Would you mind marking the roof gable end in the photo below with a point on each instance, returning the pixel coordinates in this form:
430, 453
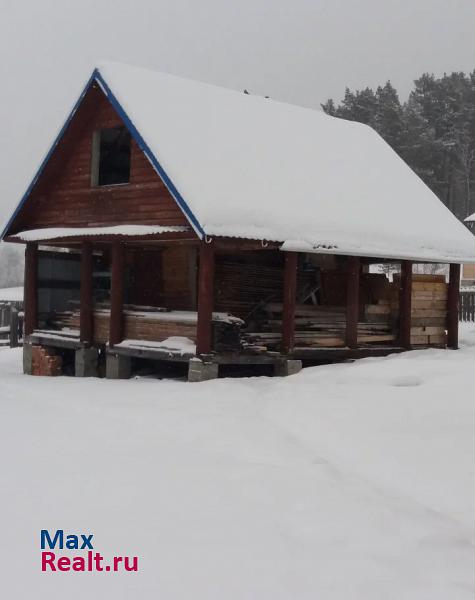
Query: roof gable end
97, 78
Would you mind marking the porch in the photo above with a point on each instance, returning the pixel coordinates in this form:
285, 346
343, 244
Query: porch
211, 303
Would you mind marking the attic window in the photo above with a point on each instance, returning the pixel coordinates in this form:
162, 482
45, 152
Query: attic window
111, 156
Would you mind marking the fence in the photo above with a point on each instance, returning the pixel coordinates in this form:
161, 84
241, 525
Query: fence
467, 306
11, 323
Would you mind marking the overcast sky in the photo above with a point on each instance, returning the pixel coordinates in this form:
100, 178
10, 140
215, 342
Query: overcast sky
301, 51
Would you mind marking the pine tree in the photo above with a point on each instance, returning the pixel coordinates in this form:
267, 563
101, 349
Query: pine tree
434, 131
389, 118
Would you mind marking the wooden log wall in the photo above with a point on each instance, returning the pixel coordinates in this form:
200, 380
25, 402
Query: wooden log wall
64, 195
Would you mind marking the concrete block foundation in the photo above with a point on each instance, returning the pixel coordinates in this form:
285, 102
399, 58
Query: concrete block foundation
201, 371
85, 362
284, 368
27, 358
118, 366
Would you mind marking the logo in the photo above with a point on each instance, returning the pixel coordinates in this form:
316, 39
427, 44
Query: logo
87, 558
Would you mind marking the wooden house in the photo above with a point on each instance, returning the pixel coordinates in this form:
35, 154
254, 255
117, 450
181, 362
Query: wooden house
179, 222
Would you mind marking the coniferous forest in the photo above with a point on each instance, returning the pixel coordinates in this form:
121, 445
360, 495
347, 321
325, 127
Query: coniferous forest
433, 131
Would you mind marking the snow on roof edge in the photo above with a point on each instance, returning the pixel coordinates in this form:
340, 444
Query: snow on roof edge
429, 256
11, 294
50, 233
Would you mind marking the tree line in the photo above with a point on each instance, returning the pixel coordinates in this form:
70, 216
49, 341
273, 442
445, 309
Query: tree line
433, 131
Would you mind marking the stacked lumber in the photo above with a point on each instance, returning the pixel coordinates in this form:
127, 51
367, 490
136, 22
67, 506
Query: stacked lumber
428, 309
315, 326
155, 324
240, 286
137, 325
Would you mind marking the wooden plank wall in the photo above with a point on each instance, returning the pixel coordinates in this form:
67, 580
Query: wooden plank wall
164, 277
64, 195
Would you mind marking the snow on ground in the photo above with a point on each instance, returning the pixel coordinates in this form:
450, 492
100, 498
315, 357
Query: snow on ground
352, 481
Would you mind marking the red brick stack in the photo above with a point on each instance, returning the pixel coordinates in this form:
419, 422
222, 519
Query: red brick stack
45, 362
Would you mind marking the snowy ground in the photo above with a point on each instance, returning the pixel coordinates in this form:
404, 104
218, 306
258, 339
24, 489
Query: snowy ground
347, 481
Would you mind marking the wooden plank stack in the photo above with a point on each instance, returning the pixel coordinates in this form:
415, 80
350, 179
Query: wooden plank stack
155, 324
316, 327
428, 309
240, 287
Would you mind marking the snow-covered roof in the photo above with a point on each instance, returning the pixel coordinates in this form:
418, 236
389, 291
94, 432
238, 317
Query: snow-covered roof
51, 233
470, 218
246, 166
12, 294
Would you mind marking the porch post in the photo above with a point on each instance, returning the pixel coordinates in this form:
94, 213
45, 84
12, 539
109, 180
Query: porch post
31, 288
290, 299
204, 329
117, 292
352, 300
86, 299
405, 304
453, 294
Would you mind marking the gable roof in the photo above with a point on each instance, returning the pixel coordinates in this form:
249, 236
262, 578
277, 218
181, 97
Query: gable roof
245, 166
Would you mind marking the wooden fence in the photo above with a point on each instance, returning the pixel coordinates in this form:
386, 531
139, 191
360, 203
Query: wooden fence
11, 323
467, 306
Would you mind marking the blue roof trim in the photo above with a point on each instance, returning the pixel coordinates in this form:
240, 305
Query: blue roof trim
48, 156
96, 76
149, 154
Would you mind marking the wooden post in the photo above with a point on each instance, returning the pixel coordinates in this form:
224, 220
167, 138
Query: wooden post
86, 295
453, 294
405, 304
117, 294
204, 329
290, 299
31, 288
14, 321
352, 301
